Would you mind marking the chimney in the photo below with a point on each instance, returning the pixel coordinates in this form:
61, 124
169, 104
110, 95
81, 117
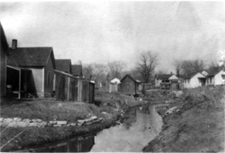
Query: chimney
14, 44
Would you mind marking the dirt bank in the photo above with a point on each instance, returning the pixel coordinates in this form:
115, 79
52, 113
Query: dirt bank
47, 110
195, 124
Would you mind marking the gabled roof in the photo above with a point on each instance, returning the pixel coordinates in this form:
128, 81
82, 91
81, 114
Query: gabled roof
32, 56
63, 65
129, 77
189, 76
213, 71
4, 40
163, 76
77, 70
115, 80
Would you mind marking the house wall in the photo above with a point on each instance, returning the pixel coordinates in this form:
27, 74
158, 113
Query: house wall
38, 74
218, 78
3, 62
210, 80
128, 86
193, 82
48, 78
113, 87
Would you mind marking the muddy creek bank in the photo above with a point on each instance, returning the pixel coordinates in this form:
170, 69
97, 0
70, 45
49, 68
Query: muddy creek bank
138, 126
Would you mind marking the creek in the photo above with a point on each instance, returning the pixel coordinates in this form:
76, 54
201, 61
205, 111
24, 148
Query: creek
138, 127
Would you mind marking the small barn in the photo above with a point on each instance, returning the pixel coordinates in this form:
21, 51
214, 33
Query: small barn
114, 85
3, 62
128, 85
41, 62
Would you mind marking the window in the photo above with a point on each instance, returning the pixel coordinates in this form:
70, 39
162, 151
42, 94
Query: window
49, 78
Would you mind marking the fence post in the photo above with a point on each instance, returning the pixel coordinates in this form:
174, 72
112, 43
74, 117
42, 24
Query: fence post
68, 89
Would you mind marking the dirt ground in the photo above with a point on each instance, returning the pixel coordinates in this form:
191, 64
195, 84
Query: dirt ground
110, 106
195, 125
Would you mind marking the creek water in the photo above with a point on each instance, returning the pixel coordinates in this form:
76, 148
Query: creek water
138, 127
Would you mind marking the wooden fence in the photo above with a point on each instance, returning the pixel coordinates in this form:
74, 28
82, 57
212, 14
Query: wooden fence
71, 88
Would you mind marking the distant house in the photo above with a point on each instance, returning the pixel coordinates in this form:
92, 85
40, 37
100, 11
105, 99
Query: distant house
194, 80
128, 85
77, 70
215, 76
114, 85
39, 61
3, 55
64, 65
165, 81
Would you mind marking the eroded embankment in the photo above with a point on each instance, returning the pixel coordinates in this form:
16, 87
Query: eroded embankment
197, 125
48, 110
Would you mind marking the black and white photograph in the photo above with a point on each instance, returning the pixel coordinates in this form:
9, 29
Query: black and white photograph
112, 76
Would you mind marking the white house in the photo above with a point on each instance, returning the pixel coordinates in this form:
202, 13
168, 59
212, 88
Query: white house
194, 80
114, 85
216, 77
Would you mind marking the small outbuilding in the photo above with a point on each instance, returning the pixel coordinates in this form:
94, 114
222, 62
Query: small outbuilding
128, 85
114, 85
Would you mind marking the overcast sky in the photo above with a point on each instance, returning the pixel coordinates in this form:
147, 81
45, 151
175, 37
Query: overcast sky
103, 31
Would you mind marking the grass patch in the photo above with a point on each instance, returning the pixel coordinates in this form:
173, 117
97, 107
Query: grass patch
50, 110
197, 127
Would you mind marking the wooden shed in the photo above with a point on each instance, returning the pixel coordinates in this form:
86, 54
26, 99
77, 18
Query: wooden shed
71, 88
128, 85
91, 92
114, 85
66, 86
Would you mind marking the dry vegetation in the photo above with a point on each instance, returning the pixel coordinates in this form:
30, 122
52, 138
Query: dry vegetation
197, 127
47, 110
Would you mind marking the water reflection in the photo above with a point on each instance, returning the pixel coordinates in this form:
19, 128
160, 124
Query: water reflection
122, 138
141, 126
78, 144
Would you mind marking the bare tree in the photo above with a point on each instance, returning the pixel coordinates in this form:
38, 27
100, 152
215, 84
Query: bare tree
99, 72
116, 68
146, 66
178, 66
88, 71
192, 66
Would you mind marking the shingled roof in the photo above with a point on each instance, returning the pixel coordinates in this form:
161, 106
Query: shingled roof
63, 65
4, 40
77, 70
164, 76
32, 56
128, 75
213, 71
